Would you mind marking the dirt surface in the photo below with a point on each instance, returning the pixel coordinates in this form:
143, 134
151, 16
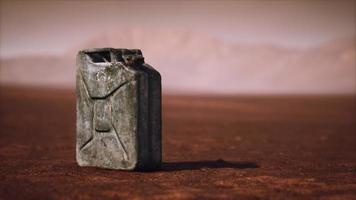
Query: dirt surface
213, 148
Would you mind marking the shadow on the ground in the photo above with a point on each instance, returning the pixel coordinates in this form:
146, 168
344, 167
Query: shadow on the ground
196, 165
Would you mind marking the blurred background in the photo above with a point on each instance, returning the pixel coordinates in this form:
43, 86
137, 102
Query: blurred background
199, 47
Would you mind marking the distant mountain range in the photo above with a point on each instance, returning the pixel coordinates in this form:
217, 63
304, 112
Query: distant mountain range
197, 63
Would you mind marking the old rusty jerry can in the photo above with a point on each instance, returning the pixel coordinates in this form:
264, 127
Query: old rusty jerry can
118, 110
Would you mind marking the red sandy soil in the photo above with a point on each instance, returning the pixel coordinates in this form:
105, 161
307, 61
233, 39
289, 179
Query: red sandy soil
251, 147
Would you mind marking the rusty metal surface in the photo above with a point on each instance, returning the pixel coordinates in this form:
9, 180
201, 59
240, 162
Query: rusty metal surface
118, 123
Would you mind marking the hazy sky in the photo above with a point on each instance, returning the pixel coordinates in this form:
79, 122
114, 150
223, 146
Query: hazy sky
32, 27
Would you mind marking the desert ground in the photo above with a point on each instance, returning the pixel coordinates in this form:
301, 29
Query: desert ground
214, 147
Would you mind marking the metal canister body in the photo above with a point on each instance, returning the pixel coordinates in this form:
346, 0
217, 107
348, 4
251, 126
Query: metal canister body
118, 110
